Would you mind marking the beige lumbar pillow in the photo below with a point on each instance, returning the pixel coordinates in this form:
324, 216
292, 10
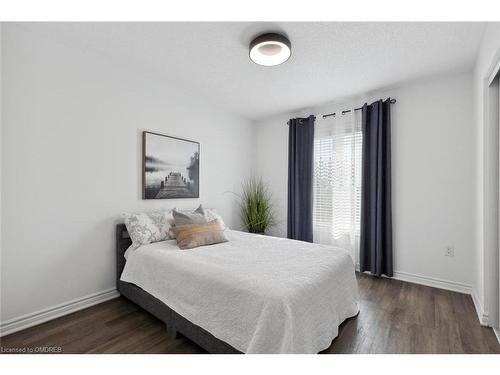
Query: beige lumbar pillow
194, 235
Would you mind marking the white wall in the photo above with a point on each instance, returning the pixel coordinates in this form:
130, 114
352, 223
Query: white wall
433, 174
71, 164
1, 131
490, 48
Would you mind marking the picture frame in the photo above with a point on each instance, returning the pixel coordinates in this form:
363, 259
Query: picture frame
170, 167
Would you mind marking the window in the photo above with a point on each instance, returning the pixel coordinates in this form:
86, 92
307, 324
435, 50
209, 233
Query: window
337, 181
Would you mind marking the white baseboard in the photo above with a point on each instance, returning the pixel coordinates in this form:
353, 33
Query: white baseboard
433, 282
497, 334
448, 285
481, 314
430, 281
42, 316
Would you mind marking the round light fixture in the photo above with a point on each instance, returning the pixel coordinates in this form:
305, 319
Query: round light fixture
270, 49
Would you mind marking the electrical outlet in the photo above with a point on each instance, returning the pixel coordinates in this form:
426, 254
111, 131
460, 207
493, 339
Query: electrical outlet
449, 251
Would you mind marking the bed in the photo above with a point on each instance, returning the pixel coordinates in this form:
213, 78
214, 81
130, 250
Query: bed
252, 294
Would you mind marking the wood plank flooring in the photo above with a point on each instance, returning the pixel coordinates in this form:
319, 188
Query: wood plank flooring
395, 317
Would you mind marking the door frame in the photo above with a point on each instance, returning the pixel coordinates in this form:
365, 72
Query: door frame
491, 194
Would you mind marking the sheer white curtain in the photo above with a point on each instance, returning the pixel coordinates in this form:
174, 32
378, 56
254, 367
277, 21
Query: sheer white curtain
337, 181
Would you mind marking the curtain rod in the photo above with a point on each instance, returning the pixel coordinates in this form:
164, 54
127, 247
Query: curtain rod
392, 101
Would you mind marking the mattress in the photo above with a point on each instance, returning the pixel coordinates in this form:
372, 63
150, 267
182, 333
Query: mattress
260, 294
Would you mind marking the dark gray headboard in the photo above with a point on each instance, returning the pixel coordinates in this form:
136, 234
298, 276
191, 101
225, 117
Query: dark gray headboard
123, 242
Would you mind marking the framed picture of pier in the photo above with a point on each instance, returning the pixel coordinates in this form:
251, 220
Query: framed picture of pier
171, 167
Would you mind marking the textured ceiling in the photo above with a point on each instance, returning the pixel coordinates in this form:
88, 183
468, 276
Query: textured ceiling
329, 60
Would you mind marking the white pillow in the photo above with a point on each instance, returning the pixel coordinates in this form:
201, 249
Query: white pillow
148, 227
212, 214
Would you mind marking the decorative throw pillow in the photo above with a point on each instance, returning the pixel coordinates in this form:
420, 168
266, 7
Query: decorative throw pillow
176, 229
200, 235
147, 227
186, 217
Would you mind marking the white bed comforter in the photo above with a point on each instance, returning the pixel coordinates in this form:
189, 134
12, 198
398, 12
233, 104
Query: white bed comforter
260, 294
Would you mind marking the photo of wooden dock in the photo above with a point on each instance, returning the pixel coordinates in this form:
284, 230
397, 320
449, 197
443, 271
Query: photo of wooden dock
174, 185
171, 167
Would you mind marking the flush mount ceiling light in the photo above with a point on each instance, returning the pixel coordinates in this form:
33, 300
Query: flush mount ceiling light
270, 49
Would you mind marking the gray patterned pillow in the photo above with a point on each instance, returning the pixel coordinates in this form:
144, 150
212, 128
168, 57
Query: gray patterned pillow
186, 217
148, 227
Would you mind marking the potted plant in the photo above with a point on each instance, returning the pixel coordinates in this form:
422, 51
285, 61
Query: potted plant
256, 206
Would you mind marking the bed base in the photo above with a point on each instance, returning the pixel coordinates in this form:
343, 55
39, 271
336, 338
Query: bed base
175, 323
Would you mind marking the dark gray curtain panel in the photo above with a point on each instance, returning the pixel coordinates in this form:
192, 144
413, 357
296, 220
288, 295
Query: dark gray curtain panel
300, 178
376, 206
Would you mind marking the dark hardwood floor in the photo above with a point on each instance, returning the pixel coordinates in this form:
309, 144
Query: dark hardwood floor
395, 317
